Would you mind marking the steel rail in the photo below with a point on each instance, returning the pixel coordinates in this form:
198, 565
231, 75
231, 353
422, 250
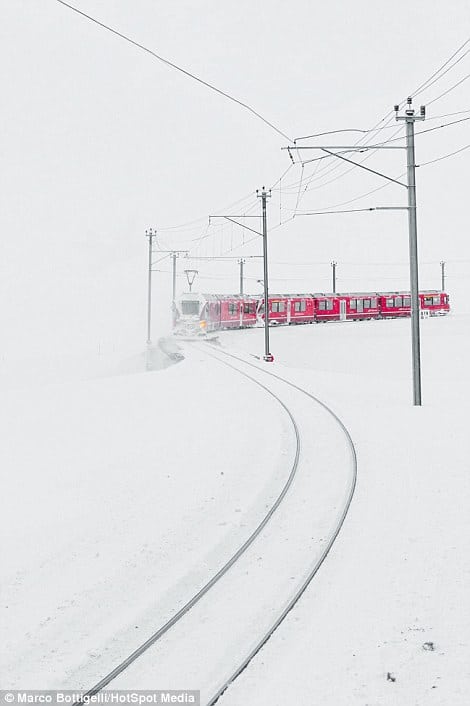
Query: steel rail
315, 568
222, 571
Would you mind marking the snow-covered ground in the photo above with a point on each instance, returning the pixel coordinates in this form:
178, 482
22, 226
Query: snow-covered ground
123, 492
399, 574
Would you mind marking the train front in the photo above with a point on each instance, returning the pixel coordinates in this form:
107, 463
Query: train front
189, 320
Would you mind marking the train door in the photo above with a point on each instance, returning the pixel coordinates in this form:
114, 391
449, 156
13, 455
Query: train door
289, 305
342, 309
241, 314
360, 306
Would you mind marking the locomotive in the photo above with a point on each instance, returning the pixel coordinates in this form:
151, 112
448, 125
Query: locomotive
200, 314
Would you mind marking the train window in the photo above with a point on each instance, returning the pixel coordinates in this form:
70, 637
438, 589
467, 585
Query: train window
277, 307
406, 301
373, 302
436, 300
190, 308
297, 306
352, 303
389, 301
329, 304
247, 308
427, 301
322, 305
233, 308
300, 306
446, 299
398, 301
366, 303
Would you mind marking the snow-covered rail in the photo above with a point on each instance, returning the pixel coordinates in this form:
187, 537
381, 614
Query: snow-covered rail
330, 539
213, 637
158, 634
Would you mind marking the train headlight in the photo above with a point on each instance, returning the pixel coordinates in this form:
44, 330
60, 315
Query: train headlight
203, 324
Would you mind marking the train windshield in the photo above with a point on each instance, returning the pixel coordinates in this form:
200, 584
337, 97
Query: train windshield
190, 308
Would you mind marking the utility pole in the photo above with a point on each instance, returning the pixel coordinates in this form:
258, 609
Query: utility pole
410, 118
150, 234
173, 256
263, 195
333, 265
241, 262
443, 275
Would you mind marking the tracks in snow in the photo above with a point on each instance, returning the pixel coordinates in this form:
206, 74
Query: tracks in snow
214, 630
335, 529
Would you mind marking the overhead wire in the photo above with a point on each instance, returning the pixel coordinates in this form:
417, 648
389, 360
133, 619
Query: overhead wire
427, 83
449, 90
389, 116
175, 66
445, 156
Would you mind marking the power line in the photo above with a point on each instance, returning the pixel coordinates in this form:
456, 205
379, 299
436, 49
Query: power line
175, 66
427, 83
444, 73
419, 89
431, 129
445, 156
449, 89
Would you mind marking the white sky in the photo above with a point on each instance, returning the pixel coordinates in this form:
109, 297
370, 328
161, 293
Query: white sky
100, 141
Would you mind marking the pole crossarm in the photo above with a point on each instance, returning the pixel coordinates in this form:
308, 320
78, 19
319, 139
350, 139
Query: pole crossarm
225, 257
355, 148
355, 210
367, 169
239, 224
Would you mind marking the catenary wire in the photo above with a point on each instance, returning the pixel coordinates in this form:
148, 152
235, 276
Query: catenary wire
449, 90
178, 68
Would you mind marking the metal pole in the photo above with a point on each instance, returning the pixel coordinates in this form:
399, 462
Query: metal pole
413, 246
413, 243
443, 276
410, 118
174, 255
150, 235
267, 355
241, 263
333, 265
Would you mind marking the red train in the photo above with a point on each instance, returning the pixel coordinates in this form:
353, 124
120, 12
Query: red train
204, 313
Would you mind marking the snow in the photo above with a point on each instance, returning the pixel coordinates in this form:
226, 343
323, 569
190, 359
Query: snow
398, 575
116, 510
121, 497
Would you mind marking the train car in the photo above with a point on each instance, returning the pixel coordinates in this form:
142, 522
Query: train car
359, 306
237, 311
301, 309
327, 307
199, 314
435, 302
394, 304
190, 315
398, 304
277, 309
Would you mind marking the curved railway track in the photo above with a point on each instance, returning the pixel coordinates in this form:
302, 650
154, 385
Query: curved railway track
331, 539
161, 631
224, 357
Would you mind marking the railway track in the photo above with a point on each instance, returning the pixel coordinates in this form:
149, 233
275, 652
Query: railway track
161, 631
253, 372
333, 535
